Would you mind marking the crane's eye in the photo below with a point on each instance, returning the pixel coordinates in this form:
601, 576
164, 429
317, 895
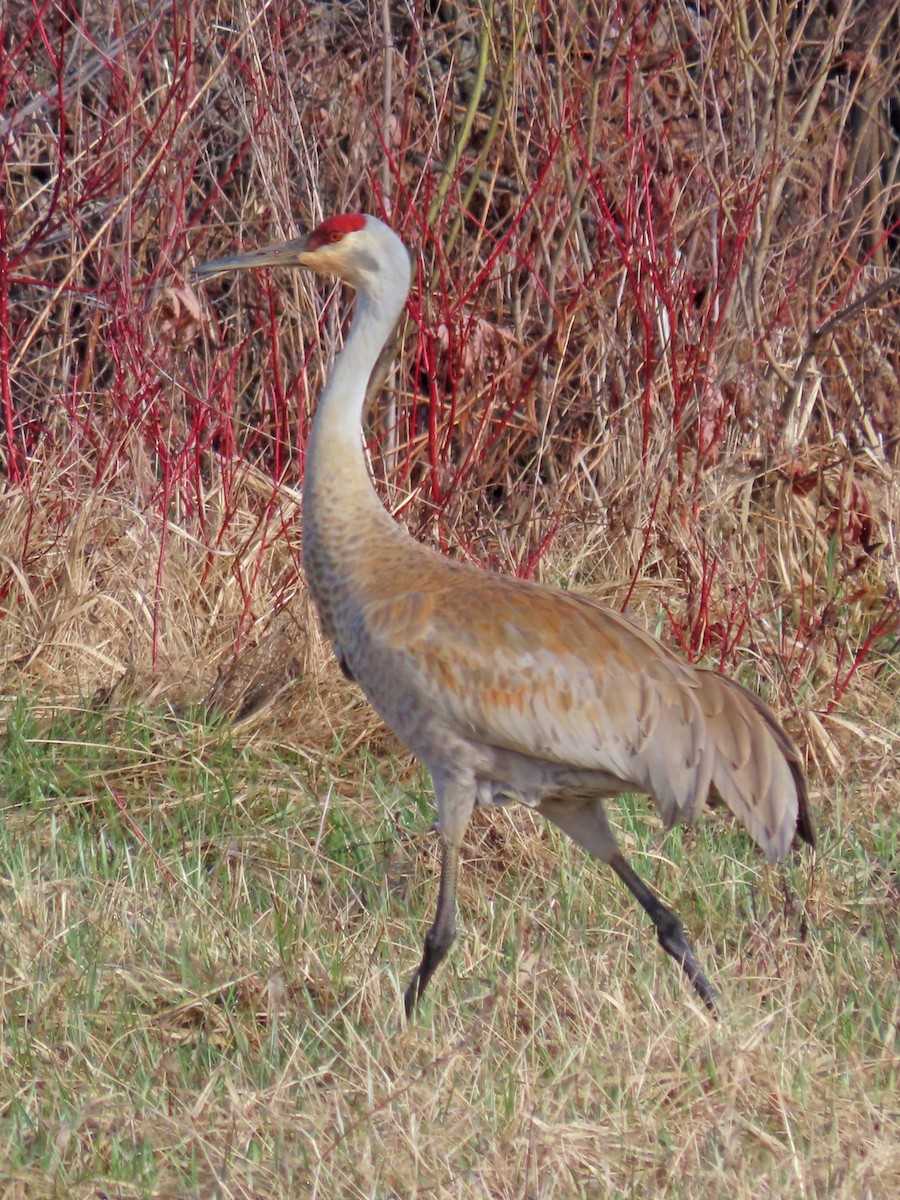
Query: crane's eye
335, 235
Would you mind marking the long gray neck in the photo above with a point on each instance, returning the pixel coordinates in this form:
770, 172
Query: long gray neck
344, 521
335, 461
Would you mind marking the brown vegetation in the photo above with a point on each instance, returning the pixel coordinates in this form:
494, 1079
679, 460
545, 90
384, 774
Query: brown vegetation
650, 348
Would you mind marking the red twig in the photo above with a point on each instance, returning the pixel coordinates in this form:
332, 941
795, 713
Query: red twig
141, 836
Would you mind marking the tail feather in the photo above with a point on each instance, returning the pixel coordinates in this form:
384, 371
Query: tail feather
757, 770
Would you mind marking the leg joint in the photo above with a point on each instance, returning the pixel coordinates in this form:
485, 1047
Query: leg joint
439, 939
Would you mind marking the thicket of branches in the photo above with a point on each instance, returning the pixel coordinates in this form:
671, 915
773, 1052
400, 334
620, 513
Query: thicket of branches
651, 348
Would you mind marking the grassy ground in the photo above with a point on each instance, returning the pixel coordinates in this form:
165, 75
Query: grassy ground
205, 943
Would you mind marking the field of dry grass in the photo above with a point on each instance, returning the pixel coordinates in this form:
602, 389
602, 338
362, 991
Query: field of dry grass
651, 351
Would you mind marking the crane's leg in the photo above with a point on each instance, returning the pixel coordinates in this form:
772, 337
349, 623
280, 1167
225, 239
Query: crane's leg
586, 823
455, 800
668, 927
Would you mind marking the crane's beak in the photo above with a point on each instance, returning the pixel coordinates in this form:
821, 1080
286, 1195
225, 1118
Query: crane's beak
281, 254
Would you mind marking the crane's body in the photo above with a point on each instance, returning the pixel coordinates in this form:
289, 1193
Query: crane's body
504, 688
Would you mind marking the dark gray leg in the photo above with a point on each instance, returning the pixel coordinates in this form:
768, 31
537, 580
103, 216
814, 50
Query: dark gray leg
586, 823
455, 801
440, 936
668, 927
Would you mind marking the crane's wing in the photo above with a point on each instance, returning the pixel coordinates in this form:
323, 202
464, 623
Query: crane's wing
557, 677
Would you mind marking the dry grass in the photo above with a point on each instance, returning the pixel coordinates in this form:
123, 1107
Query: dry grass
651, 350
201, 991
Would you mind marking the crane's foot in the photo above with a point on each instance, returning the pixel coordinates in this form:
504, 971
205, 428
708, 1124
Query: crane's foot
411, 996
439, 937
669, 930
437, 942
673, 940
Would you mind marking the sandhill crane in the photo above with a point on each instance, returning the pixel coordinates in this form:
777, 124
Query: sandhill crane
508, 689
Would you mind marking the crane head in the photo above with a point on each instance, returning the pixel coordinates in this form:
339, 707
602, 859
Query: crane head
359, 249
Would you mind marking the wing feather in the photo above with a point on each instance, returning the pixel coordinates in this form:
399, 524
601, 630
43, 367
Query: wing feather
556, 677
